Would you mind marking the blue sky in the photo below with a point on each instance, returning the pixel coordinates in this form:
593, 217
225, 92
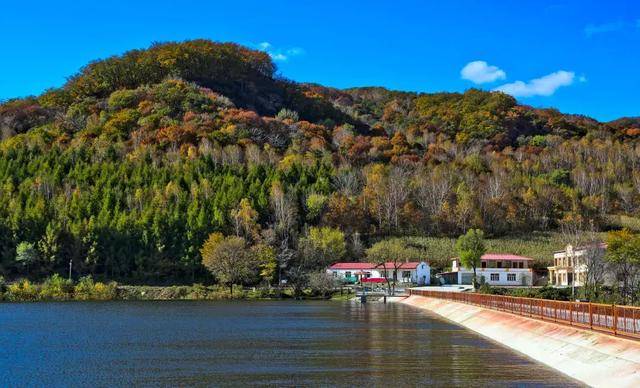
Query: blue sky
579, 56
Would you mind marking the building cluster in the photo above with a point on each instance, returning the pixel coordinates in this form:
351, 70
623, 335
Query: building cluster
570, 268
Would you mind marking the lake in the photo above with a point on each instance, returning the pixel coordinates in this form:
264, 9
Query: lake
281, 343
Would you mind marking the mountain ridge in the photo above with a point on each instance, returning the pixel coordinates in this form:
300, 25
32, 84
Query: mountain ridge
127, 168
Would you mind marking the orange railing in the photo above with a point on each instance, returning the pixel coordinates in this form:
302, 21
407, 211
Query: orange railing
613, 319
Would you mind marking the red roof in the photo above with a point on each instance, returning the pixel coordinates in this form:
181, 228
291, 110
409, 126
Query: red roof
352, 266
408, 265
504, 257
361, 266
501, 257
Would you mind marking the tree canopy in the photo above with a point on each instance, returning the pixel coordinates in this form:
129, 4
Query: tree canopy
470, 247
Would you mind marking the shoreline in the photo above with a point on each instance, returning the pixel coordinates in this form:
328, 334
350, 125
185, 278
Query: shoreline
33, 293
592, 358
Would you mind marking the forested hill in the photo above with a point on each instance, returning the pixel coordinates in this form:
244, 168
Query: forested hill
129, 166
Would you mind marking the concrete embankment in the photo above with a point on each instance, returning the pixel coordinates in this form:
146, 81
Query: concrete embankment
596, 359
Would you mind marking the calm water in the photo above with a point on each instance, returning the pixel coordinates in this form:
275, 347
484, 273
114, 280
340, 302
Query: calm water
249, 343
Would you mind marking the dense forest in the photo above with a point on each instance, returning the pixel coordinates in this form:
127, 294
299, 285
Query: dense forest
128, 168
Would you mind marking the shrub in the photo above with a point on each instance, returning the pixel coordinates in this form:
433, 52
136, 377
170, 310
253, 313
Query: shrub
56, 288
86, 289
198, 291
123, 99
103, 291
122, 122
485, 288
321, 283
538, 141
22, 291
286, 114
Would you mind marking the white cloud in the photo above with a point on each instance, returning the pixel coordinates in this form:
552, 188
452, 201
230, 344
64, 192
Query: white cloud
295, 51
543, 86
480, 72
279, 55
594, 29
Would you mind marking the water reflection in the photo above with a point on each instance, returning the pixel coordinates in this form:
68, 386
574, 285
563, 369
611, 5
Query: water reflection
249, 343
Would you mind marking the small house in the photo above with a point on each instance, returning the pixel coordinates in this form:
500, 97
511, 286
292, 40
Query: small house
417, 272
495, 269
353, 272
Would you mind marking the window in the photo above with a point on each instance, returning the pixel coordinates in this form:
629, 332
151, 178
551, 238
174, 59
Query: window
495, 277
347, 274
484, 264
499, 264
335, 274
511, 277
367, 275
406, 274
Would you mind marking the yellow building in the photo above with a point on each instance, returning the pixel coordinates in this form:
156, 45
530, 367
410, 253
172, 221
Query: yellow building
570, 265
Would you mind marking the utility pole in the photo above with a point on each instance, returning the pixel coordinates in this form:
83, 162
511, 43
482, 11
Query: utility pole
70, 264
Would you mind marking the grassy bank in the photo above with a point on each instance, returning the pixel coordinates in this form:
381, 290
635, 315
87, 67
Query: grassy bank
57, 288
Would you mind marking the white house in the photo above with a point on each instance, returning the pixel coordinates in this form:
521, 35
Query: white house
570, 265
496, 269
417, 272
409, 272
353, 272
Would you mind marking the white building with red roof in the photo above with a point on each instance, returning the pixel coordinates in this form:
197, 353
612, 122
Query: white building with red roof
495, 269
417, 272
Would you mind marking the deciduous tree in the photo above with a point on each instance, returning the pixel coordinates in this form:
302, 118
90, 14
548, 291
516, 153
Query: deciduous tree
228, 259
470, 247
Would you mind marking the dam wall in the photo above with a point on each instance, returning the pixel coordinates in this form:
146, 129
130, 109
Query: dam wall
594, 358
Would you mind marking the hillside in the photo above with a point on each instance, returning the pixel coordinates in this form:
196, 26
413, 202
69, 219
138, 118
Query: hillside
128, 167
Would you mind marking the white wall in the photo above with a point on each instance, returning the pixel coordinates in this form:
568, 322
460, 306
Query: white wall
341, 273
525, 273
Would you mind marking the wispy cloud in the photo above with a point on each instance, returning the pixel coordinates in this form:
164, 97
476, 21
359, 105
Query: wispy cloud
481, 72
594, 29
543, 86
279, 54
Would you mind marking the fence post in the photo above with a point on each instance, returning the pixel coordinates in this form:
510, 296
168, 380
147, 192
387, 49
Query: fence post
590, 317
521, 306
571, 313
615, 319
542, 309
